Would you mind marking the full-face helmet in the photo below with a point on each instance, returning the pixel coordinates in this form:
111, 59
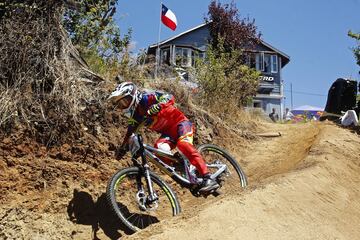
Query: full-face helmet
126, 96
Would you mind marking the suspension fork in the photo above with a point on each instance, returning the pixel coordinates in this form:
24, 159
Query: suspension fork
149, 185
146, 171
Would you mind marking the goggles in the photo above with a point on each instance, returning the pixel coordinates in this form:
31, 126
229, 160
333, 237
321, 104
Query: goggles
124, 102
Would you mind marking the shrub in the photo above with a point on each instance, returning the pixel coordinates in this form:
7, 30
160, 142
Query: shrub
42, 87
225, 84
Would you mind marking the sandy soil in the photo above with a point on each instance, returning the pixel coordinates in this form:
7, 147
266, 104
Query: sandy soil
302, 185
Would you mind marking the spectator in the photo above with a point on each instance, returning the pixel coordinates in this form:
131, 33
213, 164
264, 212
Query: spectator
349, 118
288, 115
274, 116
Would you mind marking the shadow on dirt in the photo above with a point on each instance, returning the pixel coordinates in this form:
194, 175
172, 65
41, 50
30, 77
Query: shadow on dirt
82, 209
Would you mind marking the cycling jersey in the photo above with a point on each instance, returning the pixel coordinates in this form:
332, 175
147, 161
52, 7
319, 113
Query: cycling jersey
162, 122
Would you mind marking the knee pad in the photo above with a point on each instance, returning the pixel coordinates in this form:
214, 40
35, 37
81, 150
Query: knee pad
163, 146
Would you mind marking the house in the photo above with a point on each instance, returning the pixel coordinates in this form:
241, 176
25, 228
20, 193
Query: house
182, 50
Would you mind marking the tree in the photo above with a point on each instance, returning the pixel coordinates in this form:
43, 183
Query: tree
225, 81
356, 50
92, 29
225, 84
226, 23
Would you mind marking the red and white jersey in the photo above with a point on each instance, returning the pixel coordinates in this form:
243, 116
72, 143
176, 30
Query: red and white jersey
162, 122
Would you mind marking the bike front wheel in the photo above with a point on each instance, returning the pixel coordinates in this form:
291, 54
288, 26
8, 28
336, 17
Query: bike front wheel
127, 194
234, 177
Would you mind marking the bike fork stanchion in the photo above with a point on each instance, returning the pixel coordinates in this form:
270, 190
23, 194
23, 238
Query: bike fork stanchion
152, 196
146, 170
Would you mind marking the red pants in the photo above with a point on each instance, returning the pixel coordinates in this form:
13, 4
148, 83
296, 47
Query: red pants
181, 136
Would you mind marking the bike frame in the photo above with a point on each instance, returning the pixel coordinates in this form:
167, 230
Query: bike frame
148, 154
151, 154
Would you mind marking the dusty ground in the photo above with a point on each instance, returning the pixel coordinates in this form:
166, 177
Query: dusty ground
302, 185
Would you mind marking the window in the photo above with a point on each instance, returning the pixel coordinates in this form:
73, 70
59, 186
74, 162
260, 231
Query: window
251, 60
257, 104
181, 56
202, 55
274, 63
267, 63
165, 56
259, 58
186, 57
196, 55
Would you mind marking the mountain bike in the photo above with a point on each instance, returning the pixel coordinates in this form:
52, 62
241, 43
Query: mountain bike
139, 197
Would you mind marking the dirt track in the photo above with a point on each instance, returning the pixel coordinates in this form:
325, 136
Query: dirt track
303, 185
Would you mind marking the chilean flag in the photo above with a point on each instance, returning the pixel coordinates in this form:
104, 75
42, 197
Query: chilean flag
168, 18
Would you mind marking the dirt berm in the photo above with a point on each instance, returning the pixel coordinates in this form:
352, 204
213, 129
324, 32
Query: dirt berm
302, 185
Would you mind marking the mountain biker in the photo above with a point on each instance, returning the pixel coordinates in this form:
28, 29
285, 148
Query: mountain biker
156, 111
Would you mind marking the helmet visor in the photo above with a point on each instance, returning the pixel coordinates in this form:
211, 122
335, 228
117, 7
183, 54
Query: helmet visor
124, 102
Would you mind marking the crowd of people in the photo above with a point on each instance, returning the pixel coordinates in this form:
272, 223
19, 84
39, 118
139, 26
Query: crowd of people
288, 115
348, 118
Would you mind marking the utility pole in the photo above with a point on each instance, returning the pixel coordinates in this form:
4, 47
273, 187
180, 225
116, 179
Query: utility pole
291, 94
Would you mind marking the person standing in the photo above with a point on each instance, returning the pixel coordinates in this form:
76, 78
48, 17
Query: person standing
288, 115
274, 116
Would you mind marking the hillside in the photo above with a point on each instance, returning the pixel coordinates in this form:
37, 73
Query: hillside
303, 185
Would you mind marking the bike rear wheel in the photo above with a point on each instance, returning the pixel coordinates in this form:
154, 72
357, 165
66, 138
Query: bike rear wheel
234, 177
123, 194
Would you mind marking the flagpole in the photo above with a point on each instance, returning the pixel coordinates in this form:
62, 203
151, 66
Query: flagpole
158, 45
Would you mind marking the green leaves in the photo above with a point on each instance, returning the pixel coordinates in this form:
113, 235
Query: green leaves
93, 28
356, 49
225, 83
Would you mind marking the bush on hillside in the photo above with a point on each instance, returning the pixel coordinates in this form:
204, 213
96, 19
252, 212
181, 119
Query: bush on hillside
225, 85
43, 83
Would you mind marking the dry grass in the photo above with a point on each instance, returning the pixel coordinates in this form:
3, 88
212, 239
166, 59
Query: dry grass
44, 92
237, 120
42, 88
8, 105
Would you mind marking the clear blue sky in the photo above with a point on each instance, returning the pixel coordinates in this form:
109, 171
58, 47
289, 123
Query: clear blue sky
312, 32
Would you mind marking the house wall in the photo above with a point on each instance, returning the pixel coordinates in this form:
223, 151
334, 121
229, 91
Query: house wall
274, 98
267, 104
276, 76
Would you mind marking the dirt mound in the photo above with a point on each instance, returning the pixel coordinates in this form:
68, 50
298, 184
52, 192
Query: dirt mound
303, 185
309, 193
66, 182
